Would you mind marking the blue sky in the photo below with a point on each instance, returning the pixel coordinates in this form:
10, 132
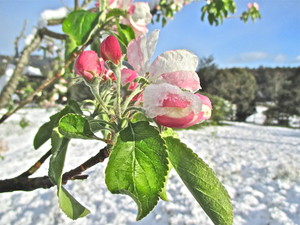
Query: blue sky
272, 41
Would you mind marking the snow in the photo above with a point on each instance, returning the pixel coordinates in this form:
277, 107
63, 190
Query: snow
258, 165
259, 117
52, 14
6, 76
33, 71
29, 38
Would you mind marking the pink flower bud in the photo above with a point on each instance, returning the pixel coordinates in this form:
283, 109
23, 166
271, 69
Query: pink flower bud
88, 65
110, 49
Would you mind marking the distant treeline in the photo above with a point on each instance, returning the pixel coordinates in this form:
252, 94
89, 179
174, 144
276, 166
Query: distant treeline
244, 87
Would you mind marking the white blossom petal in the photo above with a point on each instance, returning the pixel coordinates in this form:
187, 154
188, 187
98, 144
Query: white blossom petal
171, 61
140, 51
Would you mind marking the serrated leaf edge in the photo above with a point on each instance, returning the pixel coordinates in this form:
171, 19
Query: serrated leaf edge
220, 184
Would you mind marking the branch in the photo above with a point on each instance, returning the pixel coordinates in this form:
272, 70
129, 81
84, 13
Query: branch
52, 34
54, 22
11, 86
18, 39
76, 4
44, 85
30, 184
36, 166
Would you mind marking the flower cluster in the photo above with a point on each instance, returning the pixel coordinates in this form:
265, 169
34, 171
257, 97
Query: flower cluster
138, 14
253, 5
169, 98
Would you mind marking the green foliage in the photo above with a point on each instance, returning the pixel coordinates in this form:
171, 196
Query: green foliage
222, 109
45, 131
217, 11
287, 100
138, 165
79, 25
70, 206
116, 13
235, 85
24, 123
201, 182
125, 35
75, 126
252, 13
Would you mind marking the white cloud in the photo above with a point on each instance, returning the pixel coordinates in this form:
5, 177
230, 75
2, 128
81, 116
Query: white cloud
297, 58
280, 58
260, 57
249, 57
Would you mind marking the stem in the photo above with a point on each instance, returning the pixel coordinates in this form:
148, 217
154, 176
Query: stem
118, 106
130, 97
30, 184
95, 90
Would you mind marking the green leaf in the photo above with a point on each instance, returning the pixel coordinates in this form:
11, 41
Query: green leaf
75, 126
59, 149
45, 131
70, 206
139, 116
125, 35
79, 25
43, 134
115, 12
70, 48
201, 182
138, 165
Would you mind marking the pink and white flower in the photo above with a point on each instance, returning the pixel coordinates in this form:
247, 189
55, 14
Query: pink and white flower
253, 5
172, 107
175, 67
128, 76
139, 17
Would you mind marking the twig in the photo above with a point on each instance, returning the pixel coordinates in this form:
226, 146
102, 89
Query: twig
30, 184
76, 4
11, 86
36, 166
52, 34
85, 3
18, 39
44, 85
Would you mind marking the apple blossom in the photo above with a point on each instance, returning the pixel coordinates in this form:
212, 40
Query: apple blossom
88, 65
175, 67
138, 14
128, 76
110, 49
139, 17
172, 107
253, 5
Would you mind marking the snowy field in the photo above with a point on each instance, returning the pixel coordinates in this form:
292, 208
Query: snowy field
260, 167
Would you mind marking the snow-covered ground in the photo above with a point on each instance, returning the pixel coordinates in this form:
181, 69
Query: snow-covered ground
260, 167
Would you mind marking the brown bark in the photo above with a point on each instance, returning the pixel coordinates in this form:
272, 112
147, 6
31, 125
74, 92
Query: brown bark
11, 86
23, 183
